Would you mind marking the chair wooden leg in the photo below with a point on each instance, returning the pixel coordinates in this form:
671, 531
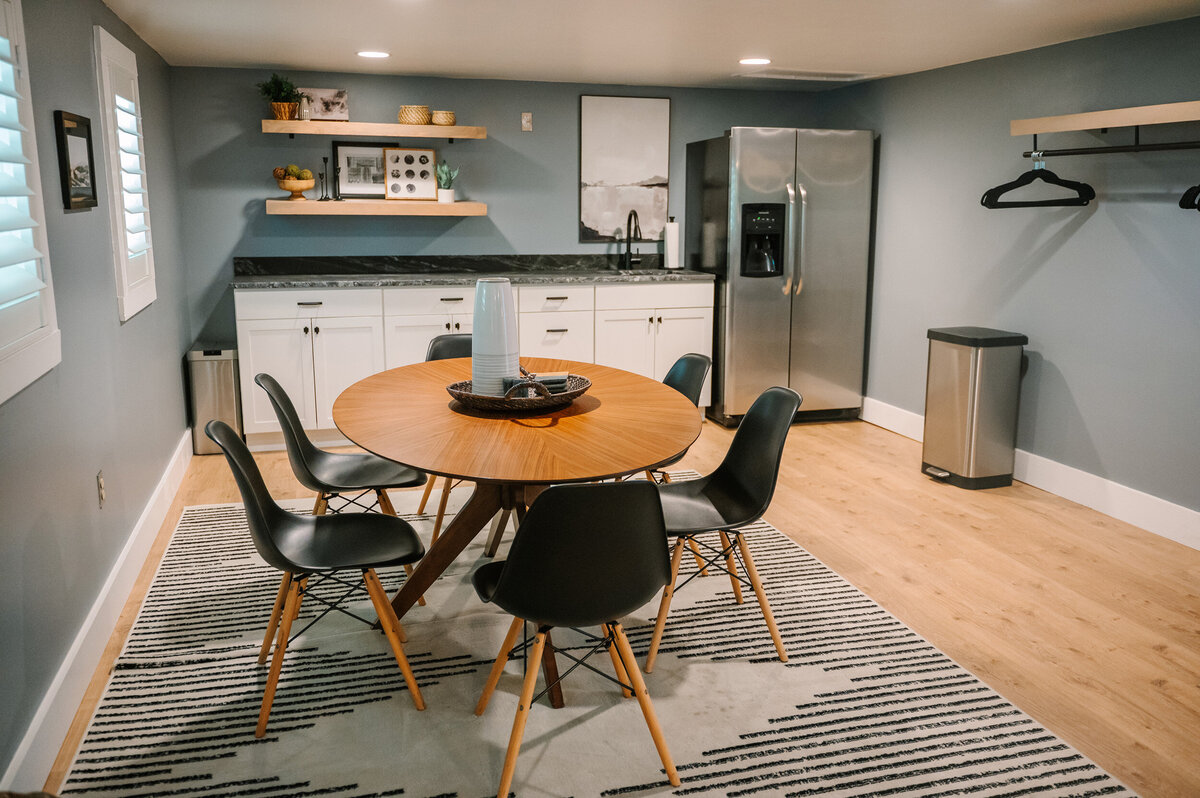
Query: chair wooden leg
650, 477
665, 476
498, 666
428, 490
618, 666
497, 533
643, 697
441, 513
276, 611
665, 605
695, 547
386, 506
518, 730
387, 618
290, 609
321, 505
731, 566
752, 574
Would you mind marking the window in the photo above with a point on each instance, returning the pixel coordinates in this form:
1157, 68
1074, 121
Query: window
30, 343
125, 158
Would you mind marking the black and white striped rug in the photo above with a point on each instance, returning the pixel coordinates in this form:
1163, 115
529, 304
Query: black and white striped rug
864, 707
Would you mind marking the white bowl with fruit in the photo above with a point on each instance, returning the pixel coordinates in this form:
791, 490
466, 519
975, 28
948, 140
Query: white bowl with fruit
294, 179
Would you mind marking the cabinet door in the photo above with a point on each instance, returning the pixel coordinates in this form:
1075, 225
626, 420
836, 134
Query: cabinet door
345, 350
283, 349
625, 340
680, 331
406, 338
567, 335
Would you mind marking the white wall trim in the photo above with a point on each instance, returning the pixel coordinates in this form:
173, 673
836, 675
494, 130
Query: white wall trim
39, 747
1172, 521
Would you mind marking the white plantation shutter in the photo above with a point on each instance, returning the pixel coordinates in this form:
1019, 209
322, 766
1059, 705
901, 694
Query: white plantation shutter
30, 344
125, 157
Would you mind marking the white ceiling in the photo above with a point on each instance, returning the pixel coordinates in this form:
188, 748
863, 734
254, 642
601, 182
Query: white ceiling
633, 42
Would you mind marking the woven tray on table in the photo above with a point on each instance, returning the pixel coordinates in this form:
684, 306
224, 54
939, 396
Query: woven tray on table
528, 395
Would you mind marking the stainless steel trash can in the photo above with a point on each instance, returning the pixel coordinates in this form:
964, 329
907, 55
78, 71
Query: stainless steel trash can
971, 391
213, 378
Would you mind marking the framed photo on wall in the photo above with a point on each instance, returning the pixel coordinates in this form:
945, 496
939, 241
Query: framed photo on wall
76, 165
358, 169
624, 157
410, 174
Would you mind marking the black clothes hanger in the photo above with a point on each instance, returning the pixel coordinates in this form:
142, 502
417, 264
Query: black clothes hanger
1190, 200
1084, 192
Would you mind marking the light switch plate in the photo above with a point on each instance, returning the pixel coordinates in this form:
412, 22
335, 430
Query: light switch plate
527, 121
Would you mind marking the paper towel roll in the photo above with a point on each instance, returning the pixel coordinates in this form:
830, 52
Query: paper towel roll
671, 245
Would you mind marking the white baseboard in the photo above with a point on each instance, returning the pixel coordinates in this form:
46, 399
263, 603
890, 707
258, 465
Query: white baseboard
39, 747
1172, 521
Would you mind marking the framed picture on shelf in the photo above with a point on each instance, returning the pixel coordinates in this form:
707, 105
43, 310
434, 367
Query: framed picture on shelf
329, 104
358, 169
409, 174
76, 166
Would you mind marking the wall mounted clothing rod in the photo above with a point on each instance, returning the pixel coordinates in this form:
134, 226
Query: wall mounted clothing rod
1179, 145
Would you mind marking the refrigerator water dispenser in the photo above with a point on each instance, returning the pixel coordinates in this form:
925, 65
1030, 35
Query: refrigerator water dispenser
762, 239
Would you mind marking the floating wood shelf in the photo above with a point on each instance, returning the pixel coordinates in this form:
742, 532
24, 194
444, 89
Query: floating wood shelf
373, 207
1117, 117
383, 129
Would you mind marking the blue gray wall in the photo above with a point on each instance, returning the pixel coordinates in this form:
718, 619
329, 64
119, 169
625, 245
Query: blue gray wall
1109, 295
529, 180
116, 401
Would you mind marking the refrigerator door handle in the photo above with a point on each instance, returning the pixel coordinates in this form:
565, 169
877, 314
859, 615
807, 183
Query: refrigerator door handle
803, 236
789, 255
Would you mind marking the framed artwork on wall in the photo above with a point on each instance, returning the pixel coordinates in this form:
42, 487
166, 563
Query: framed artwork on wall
358, 170
410, 174
624, 157
76, 165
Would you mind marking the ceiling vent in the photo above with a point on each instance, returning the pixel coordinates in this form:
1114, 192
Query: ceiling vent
775, 73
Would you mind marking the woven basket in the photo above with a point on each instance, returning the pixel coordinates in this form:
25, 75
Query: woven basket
413, 115
443, 117
576, 386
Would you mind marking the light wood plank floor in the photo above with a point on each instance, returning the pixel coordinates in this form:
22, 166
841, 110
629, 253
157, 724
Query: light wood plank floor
1089, 624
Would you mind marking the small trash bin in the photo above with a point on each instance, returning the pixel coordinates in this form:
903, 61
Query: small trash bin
971, 391
213, 380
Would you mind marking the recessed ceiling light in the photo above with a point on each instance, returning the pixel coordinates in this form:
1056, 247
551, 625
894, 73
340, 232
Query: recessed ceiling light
373, 54
754, 61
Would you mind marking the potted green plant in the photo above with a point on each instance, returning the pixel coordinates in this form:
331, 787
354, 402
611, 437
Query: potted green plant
445, 182
283, 96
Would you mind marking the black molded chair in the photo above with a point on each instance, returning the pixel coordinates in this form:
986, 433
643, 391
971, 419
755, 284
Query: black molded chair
303, 546
334, 474
444, 347
736, 494
686, 376
584, 555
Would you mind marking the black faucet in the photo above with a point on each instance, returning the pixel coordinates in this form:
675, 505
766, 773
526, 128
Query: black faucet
633, 229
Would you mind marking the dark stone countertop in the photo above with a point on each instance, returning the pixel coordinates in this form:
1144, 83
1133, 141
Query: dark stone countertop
517, 278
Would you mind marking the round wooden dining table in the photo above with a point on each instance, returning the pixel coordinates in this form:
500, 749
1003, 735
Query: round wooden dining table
624, 424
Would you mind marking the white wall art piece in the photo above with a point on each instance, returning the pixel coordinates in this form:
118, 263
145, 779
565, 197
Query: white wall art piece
330, 104
624, 157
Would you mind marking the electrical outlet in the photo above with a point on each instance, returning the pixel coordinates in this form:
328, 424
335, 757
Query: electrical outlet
100, 488
527, 121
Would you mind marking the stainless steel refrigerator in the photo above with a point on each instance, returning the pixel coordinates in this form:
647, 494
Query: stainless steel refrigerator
782, 216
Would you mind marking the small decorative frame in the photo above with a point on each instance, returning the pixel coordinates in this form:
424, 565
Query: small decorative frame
76, 164
358, 169
329, 104
410, 174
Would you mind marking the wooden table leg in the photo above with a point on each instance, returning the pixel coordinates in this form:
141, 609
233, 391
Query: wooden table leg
467, 523
550, 669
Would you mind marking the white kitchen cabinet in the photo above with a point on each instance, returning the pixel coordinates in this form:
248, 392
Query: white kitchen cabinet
414, 316
556, 321
294, 336
646, 327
